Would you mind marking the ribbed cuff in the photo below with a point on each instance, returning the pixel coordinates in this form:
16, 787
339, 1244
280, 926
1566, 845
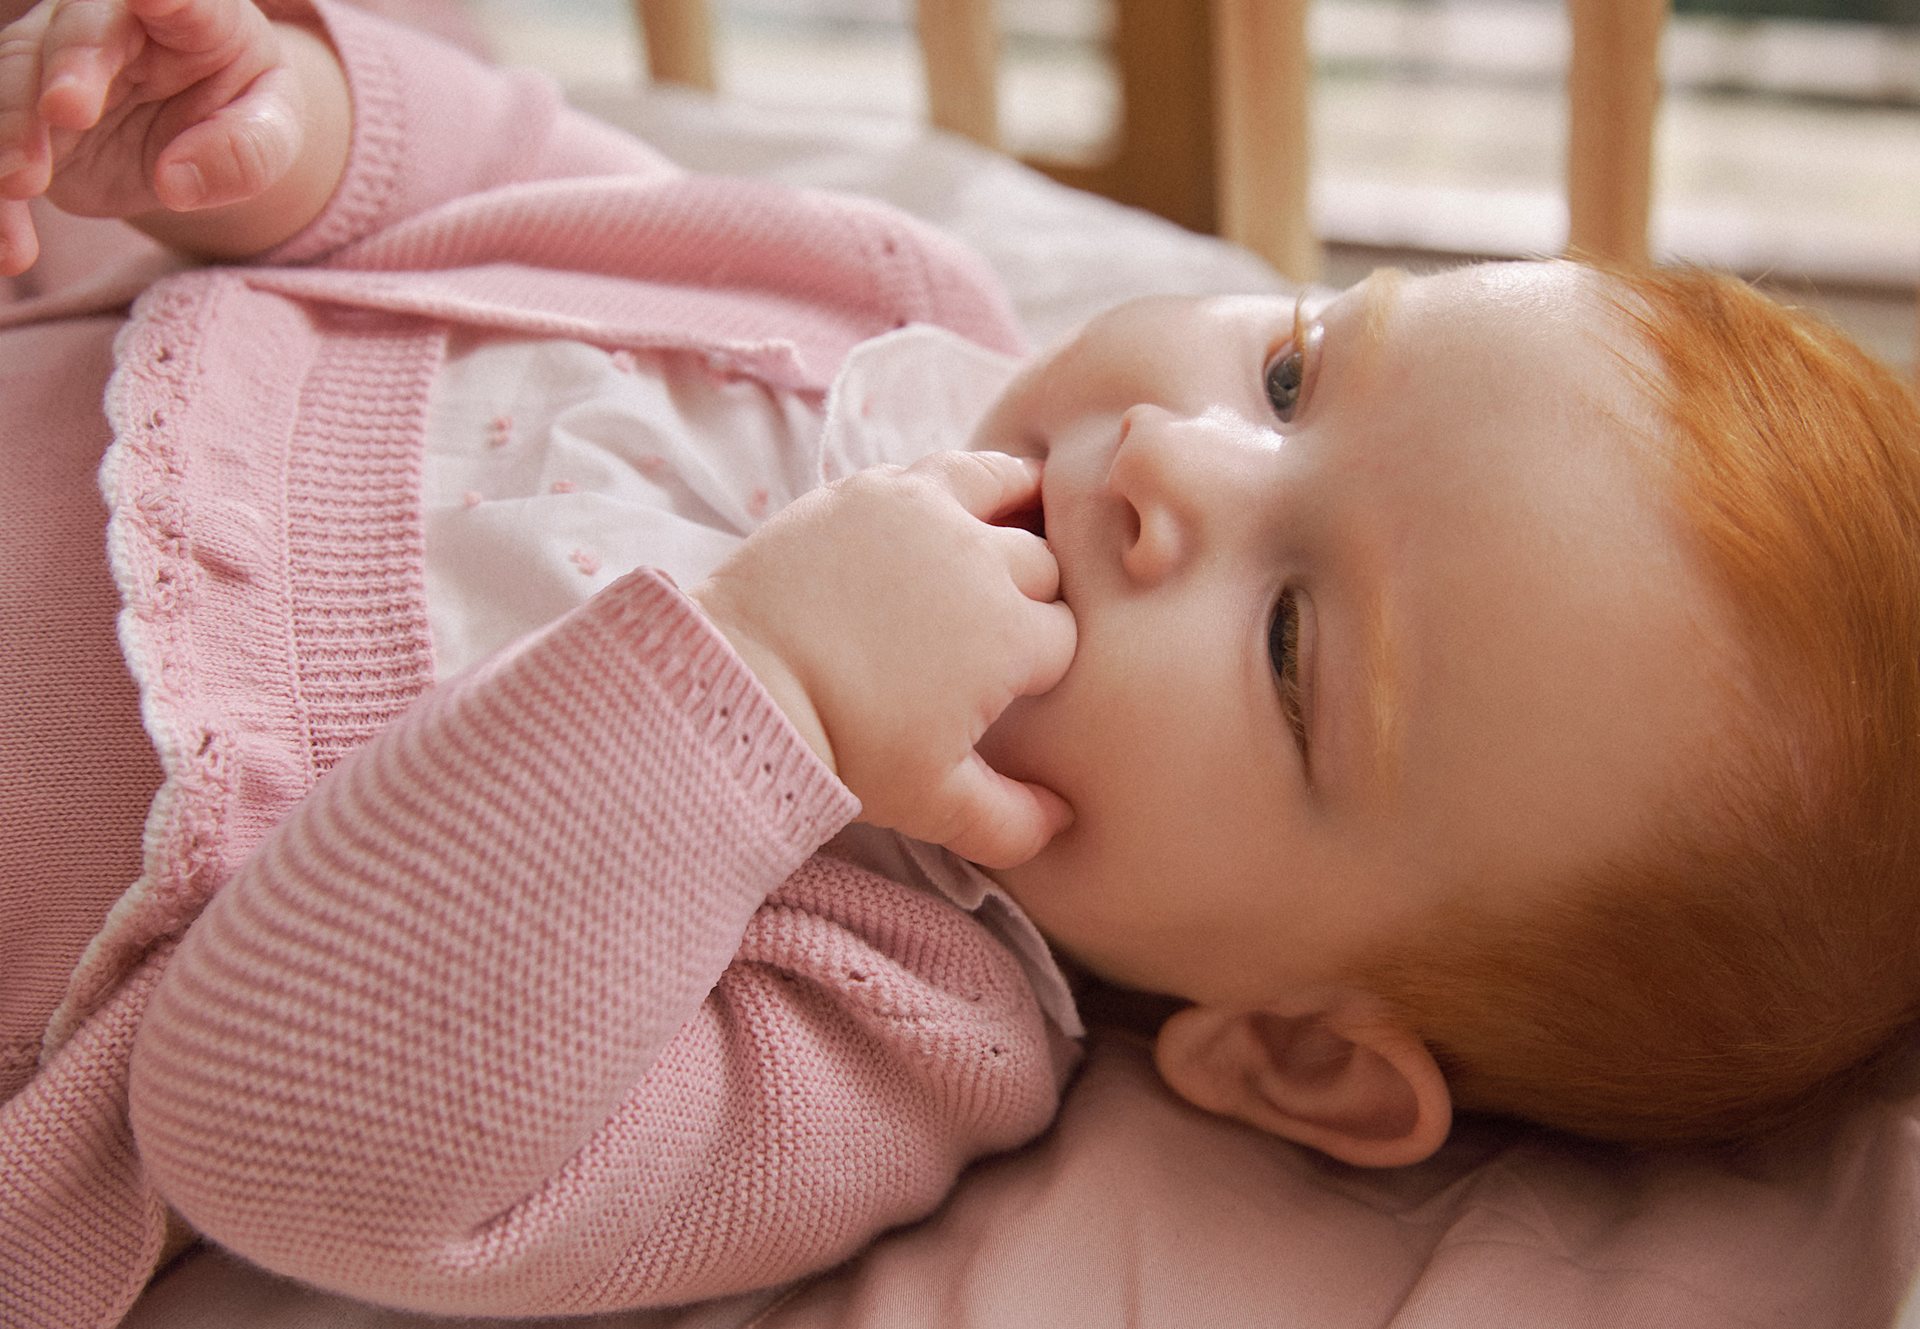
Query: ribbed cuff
696, 668
376, 152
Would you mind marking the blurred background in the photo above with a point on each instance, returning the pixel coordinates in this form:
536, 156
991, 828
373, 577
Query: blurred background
1788, 147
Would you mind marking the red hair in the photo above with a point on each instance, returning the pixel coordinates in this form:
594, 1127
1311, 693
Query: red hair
1754, 966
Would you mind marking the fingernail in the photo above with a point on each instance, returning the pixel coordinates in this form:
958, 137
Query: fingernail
185, 186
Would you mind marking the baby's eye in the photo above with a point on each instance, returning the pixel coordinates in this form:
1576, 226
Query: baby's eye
1286, 376
1283, 648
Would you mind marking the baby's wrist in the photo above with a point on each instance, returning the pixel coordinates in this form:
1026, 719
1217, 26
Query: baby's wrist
773, 672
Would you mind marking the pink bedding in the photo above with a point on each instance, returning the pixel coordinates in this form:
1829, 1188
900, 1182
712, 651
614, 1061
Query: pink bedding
1136, 1210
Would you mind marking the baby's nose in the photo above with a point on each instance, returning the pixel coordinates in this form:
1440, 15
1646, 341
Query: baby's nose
1174, 474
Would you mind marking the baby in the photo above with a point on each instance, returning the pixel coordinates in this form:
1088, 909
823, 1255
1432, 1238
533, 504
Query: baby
1493, 690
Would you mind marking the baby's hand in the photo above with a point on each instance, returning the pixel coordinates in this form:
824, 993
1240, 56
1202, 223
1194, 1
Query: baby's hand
116, 108
894, 623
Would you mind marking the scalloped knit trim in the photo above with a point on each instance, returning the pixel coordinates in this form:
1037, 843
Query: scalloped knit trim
273, 611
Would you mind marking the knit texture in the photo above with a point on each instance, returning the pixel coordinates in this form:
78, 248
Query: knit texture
626, 1112
69, 714
527, 993
63, 1138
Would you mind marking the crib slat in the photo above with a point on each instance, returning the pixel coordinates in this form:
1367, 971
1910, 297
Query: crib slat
1613, 89
1263, 80
1163, 155
960, 52
679, 38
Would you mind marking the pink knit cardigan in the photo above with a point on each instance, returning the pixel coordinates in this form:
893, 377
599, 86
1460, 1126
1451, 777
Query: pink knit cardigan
532, 992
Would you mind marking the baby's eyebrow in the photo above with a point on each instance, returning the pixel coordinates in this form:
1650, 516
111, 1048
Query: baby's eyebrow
1374, 681
1379, 298
1379, 685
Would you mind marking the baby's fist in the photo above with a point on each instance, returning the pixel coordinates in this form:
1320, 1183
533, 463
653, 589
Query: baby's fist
894, 622
139, 109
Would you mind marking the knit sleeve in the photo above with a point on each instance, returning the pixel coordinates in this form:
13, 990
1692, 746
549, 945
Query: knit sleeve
542, 1002
431, 124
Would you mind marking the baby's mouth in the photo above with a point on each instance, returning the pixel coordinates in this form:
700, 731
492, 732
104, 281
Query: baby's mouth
1032, 518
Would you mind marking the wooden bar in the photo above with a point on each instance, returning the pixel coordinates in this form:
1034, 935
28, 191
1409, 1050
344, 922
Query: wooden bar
1613, 96
679, 40
1166, 158
1262, 86
960, 52
1162, 157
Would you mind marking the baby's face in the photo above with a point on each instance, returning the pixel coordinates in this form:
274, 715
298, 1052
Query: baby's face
1426, 624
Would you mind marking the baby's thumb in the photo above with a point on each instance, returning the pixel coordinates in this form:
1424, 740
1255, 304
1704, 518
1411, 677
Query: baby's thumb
1005, 822
235, 154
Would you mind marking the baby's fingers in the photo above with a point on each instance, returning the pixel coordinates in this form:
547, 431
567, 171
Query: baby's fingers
200, 26
1001, 823
1052, 638
19, 246
87, 44
1030, 562
25, 157
987, 484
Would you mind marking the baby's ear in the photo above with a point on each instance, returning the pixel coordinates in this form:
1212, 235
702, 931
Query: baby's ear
1335, 1072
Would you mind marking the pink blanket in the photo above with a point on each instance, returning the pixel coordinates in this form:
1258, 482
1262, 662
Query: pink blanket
1140, 1211
1136, 1210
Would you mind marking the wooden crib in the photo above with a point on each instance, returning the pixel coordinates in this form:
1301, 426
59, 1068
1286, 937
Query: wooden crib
1216, 97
